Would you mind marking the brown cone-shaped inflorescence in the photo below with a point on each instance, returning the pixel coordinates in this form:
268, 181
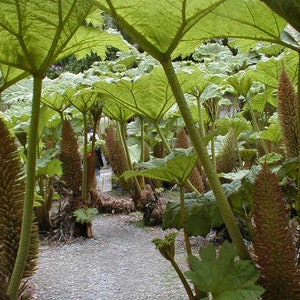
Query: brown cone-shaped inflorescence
287, 112
116, 153
12, 195
195, 177
182, 139
158, 150
70, 158
227, 161
274, 246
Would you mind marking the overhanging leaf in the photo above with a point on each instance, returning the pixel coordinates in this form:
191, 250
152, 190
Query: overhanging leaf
9, 76
149, 95
164, 28
116, 111
238, 19
88, 38
288, 9
34, 33
176, 167
163, 23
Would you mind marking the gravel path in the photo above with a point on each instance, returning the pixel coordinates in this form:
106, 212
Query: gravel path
120, 262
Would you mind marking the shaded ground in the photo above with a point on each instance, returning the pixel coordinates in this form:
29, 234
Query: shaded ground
120, 262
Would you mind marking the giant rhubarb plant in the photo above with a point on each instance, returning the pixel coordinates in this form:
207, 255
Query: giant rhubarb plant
177, 31
273, 241
12, 187
34, 35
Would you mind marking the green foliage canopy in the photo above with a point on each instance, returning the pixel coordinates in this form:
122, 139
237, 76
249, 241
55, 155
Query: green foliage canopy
36, 34
175, 28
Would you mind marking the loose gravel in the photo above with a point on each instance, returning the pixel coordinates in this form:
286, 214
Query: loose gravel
120, 262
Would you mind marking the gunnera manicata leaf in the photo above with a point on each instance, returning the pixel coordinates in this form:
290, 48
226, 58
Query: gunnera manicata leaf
224, 276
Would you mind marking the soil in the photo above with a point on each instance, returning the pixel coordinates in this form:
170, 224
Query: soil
119, 262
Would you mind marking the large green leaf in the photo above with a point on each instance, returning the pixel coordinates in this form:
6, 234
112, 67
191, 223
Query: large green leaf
237, 124
241, 83
239, 190
176, 167
268, 71
58, 92
116, 111
83, 100
9, 76
49, 166
288, 9
149, 95
33, 33
273, 133
223, 276
163, 27
56, 101
250, 19
86, 39
163, 22
201, 214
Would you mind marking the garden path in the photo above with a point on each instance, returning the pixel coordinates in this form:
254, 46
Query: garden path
120, 262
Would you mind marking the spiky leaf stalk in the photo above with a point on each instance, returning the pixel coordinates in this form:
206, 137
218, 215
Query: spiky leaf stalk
287, 112
208, 167
26, 228
273, 241
12, 193
195, 177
